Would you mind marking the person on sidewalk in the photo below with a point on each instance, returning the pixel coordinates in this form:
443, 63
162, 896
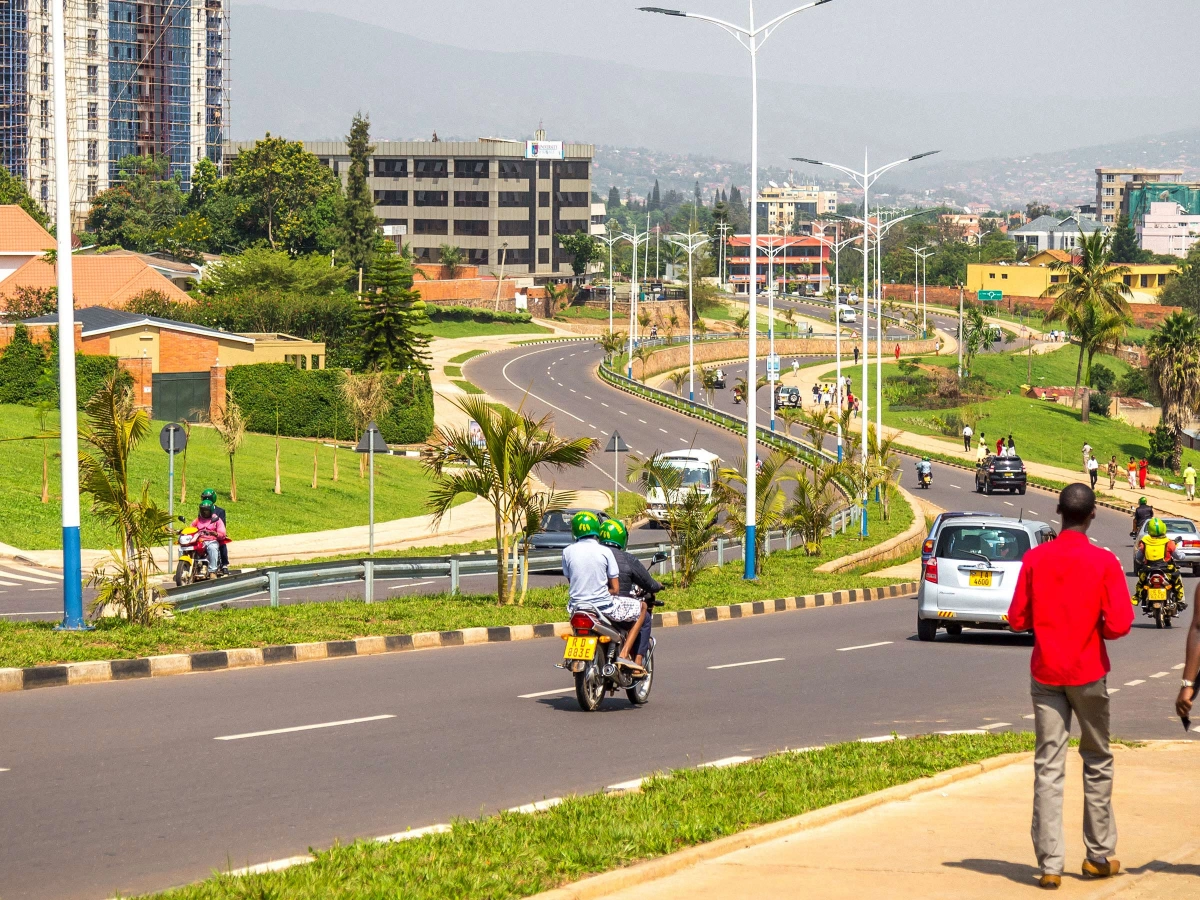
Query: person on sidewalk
1113, 468
1189, 482
1093, 469
981, 452
1072, 595
1087, 451
967, 432
1143, 468
856, 355
1132, 474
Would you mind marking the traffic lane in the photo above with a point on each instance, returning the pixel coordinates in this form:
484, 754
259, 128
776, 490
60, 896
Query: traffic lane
816, 311
465, 741
32, 593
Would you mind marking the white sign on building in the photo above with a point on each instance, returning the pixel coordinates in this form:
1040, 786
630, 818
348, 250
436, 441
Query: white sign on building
544, 150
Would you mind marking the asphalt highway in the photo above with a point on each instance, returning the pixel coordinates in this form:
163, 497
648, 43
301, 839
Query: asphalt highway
139, 785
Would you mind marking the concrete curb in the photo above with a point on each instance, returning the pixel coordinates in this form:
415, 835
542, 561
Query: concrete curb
651, 870
893, 548
97, 671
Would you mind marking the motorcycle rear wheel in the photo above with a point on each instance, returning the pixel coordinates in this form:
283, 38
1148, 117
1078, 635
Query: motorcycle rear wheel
639, 694
1158, 617
589, 686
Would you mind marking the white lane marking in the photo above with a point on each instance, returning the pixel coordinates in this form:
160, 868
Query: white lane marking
590, 425
643, 421
664, 431
39, 612
1135, 682
1033, 716
963, 730
586, 397
400, 587
626, 785
26, 570
1160, 674
1110, 690
602, 403
1056, 522
1180, 666
252, 734
882, 739
275, 865
622, 412
13, 583
811, 749
753, 662
413, 833
572, 390
956, 487
864, 646
30, 578
725, 763
5, 770
540, 806
545, 693
1006, 503
992, 725
683, 440
31, 590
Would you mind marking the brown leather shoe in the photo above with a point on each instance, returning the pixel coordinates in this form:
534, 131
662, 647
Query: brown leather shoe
1050, 882
1105, 869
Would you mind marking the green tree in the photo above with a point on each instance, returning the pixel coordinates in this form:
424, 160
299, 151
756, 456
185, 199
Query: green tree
1125, 247
770, 500
614, 199
1174, 352
285, 196
1184, 289
359, 225
259, 269
141, 210
389, 316
12, 192
451, 258
583, 248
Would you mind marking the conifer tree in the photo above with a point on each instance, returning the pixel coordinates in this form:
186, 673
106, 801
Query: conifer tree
389, 314
359, 224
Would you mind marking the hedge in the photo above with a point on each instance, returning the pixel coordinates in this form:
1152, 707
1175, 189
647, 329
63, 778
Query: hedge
309, 403
471, 314
29, 372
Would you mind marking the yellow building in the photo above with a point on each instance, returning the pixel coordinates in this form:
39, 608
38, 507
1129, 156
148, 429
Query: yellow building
1033, 277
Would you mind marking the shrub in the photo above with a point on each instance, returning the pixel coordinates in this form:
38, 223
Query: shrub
29, 371
1162, 445
309, 403
470, 314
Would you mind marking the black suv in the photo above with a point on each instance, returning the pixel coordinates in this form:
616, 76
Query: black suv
997, 473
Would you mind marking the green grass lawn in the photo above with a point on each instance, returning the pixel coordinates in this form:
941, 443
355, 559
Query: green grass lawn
476, 329
470, 354
584, 312
401, 486
1043, 432
511, 855
783, 574
467, 386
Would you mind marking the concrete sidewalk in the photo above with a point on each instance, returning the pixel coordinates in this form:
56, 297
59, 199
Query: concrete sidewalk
971, 840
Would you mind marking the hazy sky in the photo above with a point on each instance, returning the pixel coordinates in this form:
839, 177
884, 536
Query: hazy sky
1041, 49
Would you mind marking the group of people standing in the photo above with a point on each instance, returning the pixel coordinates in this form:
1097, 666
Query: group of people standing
1004, 446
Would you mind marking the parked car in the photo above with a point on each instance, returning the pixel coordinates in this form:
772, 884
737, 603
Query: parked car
1000, 473
555, 530
970, 577
1187, 541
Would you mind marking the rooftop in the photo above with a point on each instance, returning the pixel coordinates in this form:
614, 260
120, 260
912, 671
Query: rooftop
102, 280
101, 320
20, 233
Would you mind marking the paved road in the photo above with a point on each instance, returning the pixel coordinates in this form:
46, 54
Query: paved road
465, 735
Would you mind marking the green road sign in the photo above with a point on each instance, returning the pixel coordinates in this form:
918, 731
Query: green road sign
991, 295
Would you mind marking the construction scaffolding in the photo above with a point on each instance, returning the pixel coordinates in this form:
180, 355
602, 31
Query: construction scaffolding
143, 79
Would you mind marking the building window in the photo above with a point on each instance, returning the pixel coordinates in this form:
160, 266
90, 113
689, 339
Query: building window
543, 169
1110, 178
45, 80
93, 185
93, 79
93, 117
1004, 276
44, 114
512, 168
991, 274
430, 198
470, 168
572, 198
391, 198
1109, 192
93, 9
477, 257
510, 227
93, 42
427, 254
471, 227
1128, 279
44, 149
544, 228
45, 39
93, 151
1145, 281
430, 168
471, 198
44, 185
391, 168
1055, 279
1162, 279
544, 252
572, 169
1108, 218
1108, 204
544, 199
431, 226
513, 198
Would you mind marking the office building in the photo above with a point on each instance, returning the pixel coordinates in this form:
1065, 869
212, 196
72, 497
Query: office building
1053, 233
142, 78
800, 260
503, 202
1112, 184
792, 203
1168, 227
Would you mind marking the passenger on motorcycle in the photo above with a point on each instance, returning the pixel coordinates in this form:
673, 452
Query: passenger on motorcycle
1143, 512
211, 496
615, 536
212, 533
1155, 551
593, 580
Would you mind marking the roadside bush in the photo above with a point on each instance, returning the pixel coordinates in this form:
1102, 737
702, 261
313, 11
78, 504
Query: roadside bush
470, 314
308, 403
29, 372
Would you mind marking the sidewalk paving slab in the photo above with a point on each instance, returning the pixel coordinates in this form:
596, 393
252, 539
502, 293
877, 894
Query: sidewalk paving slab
971, 840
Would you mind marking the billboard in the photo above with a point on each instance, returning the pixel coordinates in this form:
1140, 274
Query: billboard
544, 150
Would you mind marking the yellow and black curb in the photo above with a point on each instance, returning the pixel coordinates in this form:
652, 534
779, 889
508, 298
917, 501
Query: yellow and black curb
98, 671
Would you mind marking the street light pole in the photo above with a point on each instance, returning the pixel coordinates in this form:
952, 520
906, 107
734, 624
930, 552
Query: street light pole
610, 240
691, 242
752, 40
634, 240
68, 418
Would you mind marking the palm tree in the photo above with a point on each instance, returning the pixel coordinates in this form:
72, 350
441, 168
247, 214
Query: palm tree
611, 344
708, 378
816, 502
451, 258
691, 516
496, 463
366, 394
558, 298
1174, 351
770, 500
678, 379
817, 424
231, 428
790, 415
642, 354
742, 322
885, 466
977, 334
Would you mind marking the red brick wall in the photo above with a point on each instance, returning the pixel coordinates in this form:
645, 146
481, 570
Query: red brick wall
40, 334
143, 380
461, 291
181, 352
438, 272
97, 345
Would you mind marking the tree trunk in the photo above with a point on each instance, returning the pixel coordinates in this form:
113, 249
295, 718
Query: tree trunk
278, 488
335, 456
1078, 376
1084, 405
501, 564
45, 475
232, 481
1177, 450
316, 451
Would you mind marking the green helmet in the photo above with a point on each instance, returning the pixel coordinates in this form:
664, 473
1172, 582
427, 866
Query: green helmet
206, 509
614, 533
1156, 528
1141, 501
585, 524
208, 495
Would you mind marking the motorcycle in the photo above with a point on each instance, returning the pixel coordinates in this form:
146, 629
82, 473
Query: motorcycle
193, 560
591, 655
924, 479
1160, 597
737, 395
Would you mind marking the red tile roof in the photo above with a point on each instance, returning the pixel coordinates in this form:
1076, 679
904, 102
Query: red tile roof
19, 233
110, 281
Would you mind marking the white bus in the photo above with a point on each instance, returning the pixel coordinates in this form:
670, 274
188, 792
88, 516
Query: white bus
699, 474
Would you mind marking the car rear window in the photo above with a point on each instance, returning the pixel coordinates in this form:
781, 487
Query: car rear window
556, 521
1008, 462
979, 542
1180, 526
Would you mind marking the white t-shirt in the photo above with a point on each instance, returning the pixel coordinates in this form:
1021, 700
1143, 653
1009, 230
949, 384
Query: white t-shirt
967, 432
588, 565
1093, 463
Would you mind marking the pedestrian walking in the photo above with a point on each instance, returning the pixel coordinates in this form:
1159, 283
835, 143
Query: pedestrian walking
1143, 468
1189, 482
1087, 451
1073, 596
1093, 468
897, 353
981, 454
967, 432
1131, 473
999, 446
1114, 467
795, 366
856, 355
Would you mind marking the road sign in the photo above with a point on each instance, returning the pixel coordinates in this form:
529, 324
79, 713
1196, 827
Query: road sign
773, 367
616, 444
991, 296
372, 441
172, 438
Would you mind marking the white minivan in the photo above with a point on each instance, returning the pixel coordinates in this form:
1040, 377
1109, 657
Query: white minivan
847, 315
699, 474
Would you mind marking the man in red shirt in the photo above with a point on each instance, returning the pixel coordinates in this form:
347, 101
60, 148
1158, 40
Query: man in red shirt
1073, 596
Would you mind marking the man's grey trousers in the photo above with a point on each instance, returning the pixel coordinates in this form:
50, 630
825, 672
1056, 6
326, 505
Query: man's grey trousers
1053, 706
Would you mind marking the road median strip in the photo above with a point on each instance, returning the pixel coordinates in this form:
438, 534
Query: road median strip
94, 672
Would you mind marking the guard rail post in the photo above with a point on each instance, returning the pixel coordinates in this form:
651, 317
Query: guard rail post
453, 576
787, 539
720, 551
369, 580
273, 585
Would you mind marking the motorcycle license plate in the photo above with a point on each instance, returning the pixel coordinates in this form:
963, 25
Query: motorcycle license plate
1157, 593
981, 579
580, 648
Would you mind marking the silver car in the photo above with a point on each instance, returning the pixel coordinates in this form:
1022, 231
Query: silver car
1187, 541
970, 577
